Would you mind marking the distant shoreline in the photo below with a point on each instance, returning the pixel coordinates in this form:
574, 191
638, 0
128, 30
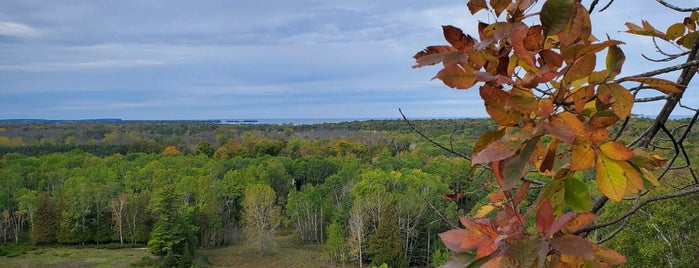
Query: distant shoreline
272, 121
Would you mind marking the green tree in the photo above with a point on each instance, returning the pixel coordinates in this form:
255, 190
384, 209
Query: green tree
386, 245
204, 148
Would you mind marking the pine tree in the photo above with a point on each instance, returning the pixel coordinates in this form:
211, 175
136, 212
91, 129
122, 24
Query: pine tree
386, 245
45, 222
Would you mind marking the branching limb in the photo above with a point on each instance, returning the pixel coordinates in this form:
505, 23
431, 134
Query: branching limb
639, 205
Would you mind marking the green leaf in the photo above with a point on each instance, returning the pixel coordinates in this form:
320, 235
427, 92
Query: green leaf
555, 15
577, 195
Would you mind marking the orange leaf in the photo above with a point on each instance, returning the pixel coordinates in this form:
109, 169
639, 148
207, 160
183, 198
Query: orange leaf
580, 69
534, 39
580, 221
566, 127
486, 247
476, 5
603, 119
647, 30
454, 76
581, 96
499, 5
620, 97
600, 135
608, 256
495, 99
574, 28
517, 41
662, 85
582, 154
576, 51
495, 151
616, 151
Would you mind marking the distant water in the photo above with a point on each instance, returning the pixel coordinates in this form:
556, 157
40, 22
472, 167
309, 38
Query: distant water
298, 121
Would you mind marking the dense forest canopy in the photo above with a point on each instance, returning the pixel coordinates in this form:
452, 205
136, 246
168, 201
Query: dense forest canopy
332, 183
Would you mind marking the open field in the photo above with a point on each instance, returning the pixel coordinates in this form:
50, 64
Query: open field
287, 253
76, 257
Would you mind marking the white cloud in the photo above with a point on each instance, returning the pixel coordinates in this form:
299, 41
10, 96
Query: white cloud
9, 28
72, 66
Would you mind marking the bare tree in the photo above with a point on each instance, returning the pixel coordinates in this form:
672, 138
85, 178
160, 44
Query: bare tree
261, 215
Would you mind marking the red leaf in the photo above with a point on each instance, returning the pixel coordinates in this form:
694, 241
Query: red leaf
573, 245
476, 5
495, 151
457, 38
544, 216
560, 221
455, 76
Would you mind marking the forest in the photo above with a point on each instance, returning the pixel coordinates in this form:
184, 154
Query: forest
370, 192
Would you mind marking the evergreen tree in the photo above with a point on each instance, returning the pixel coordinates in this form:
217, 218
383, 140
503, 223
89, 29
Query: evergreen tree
386, 245
45, 221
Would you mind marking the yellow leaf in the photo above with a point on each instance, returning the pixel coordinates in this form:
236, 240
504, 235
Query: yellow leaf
674, 31
662, 85
610, 178
634, 178
687, 41
616, 151
620, 97
582, 154
483, 211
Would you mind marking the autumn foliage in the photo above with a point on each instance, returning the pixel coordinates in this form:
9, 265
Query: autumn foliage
554, 106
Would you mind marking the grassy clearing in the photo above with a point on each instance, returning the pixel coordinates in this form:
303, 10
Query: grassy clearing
76, 257
287, 253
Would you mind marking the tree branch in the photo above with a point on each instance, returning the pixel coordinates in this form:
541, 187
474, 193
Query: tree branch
650, 99
670, 6
678, 67
636, 207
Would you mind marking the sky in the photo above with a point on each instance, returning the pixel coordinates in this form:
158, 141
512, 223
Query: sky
163, 60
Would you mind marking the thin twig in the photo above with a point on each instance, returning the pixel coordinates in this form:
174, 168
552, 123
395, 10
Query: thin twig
410, 124
636, 207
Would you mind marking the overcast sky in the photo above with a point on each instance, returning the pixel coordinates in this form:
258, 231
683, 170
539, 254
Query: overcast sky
136, 59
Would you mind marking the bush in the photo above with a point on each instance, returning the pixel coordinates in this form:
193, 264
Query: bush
13, 250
